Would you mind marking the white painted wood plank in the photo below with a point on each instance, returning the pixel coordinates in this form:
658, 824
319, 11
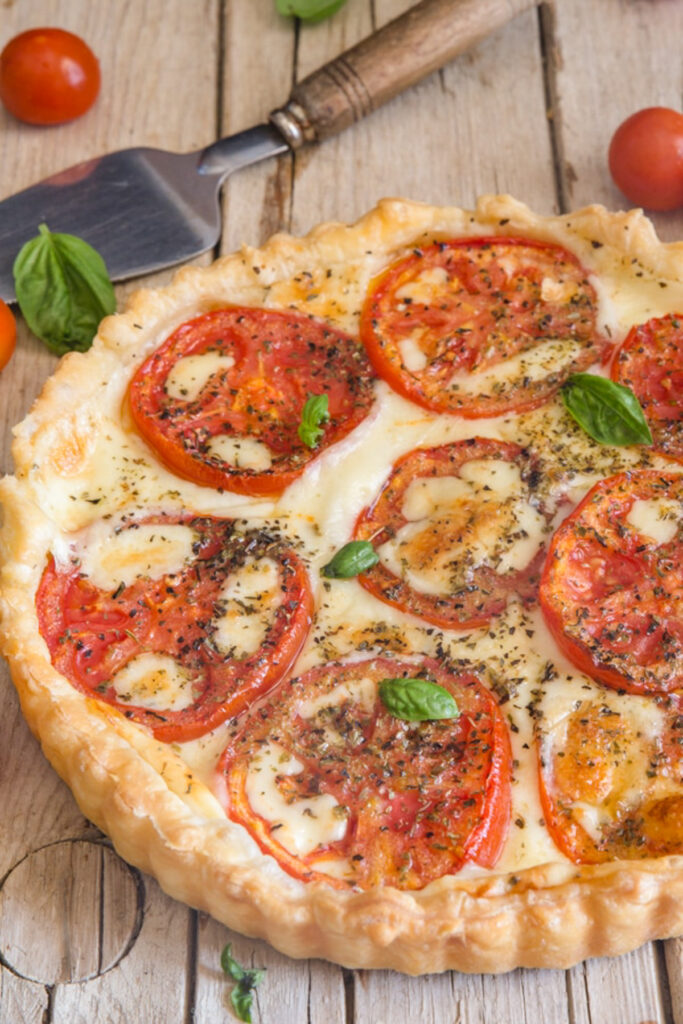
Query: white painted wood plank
67, 912
21, 1001
532, 996
150, 984
613, 57
307, 992
465, 131
629, 981
673, 958
35, 807
259, 49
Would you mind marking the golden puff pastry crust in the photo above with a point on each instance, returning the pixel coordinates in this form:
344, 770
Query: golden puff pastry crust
80, 461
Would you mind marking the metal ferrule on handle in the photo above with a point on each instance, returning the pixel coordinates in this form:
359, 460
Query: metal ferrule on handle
423, 39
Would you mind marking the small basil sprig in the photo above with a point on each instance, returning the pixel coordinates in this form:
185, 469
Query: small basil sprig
417, 700
314, 412
309, 10
608, 411
246, 980
354, 558
63, 290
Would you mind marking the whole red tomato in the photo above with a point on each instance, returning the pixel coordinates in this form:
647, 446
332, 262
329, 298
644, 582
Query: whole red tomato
646, 158
48, 76
8, 334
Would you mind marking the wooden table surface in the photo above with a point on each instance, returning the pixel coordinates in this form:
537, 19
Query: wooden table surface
84, 938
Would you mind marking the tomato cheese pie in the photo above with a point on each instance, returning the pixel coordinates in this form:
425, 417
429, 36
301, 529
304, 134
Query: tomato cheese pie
342, 583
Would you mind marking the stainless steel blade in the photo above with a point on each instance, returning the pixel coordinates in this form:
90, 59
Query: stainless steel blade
142, 209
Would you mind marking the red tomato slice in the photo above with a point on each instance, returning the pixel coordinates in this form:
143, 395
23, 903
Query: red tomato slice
278, 360
650, 362
92, 634
459, 590
609, 789
466, 306
400, 803
612, 594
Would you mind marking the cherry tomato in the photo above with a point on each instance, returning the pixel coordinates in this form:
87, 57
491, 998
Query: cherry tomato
646, 158
48, 76
8, 334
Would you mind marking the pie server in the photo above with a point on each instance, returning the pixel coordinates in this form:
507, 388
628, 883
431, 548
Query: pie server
144, 209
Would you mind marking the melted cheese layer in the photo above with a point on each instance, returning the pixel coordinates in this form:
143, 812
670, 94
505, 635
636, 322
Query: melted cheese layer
457, 524
302, 825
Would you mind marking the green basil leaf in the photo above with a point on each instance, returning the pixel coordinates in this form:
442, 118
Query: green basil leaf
354, 557
63, 290
314, 412
309, 10
417, 700
246, 980
230, 965
242, 1000
610, 413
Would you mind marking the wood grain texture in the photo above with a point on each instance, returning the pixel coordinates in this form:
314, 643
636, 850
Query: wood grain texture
596, 86
407, 49
80, 899
256, 79
22, 1001
528, 110
152, 984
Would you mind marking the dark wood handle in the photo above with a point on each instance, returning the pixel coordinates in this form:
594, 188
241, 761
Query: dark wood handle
423, 39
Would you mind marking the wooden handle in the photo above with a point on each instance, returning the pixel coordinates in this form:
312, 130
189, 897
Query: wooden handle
423, 39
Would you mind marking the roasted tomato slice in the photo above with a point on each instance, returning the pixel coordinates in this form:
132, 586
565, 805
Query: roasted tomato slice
179, 648
482, 326
612, 587
338, 789
650, 362
458, 530
221, 400
610, 778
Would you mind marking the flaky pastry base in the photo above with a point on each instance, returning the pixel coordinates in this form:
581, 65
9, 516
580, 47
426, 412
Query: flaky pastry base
138, 790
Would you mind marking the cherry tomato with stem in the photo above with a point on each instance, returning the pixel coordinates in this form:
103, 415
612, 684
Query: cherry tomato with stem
48, 76
646, 158
8, 334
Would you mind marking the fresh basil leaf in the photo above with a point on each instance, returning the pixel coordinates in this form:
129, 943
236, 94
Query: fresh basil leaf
353, 558
246, 979
230, 965
242, 1000
309, 10
314, 412
63, 290
417, 700
609, 412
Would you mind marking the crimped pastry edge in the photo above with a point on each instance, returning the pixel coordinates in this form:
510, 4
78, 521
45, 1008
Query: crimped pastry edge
549, 916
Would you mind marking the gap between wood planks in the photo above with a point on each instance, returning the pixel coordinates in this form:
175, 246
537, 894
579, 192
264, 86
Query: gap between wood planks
549, 55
